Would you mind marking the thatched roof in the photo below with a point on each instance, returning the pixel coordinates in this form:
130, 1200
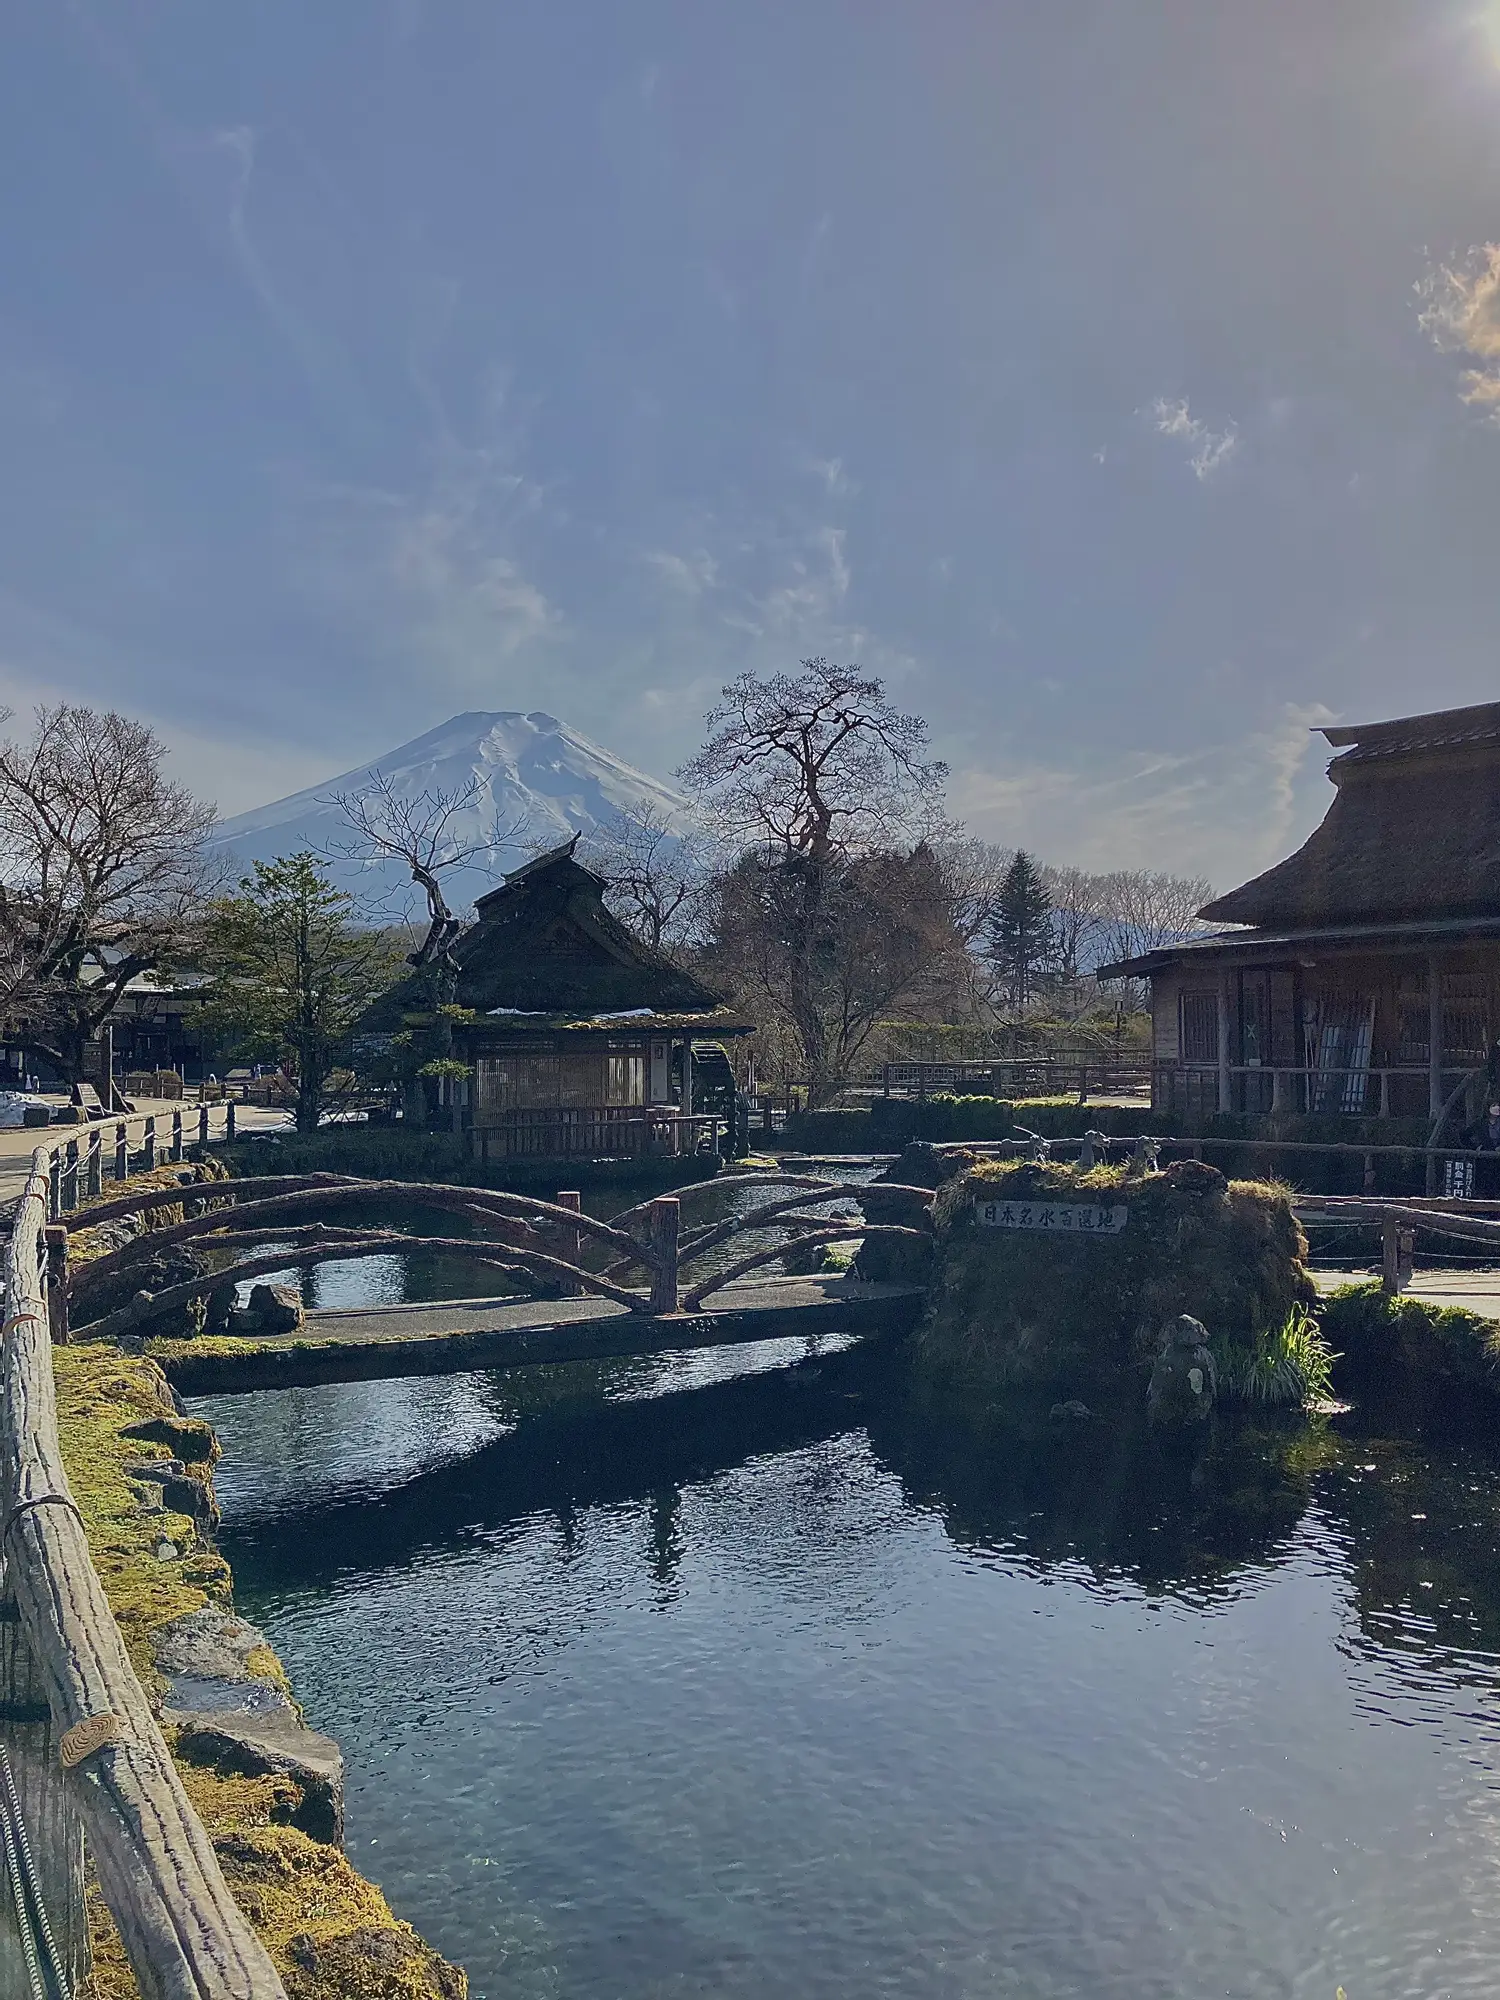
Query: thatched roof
544, 952
1413, 831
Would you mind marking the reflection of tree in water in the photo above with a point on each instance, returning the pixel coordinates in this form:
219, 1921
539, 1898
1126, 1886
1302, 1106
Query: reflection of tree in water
1099, 1497
1107, 1495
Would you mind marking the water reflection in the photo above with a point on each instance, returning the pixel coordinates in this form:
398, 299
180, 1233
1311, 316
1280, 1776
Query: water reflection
805, 1683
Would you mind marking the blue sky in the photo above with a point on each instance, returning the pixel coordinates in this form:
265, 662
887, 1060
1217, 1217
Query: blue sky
1094, 370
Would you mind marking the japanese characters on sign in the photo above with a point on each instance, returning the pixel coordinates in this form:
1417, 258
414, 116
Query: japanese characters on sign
1063, 1218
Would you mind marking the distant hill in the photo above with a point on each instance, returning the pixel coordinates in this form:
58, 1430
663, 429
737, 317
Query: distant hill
534, 774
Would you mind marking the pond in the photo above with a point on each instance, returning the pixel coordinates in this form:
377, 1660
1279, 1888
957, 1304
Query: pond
666, 1680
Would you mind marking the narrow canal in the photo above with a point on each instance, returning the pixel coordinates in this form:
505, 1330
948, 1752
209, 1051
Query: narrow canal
792, 1684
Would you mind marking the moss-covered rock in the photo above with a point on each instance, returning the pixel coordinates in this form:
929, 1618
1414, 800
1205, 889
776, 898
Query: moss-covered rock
1013, 1307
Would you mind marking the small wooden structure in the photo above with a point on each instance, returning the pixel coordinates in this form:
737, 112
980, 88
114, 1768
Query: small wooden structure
1363, 973
582, 1038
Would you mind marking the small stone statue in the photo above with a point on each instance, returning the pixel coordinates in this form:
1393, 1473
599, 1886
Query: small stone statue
1095, 1148
1143, 1158
1184, 1380
1039, 1152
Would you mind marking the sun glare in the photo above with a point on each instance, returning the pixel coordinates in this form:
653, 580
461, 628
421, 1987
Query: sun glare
1488, 23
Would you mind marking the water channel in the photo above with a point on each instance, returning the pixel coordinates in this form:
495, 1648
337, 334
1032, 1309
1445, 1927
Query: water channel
670, 1680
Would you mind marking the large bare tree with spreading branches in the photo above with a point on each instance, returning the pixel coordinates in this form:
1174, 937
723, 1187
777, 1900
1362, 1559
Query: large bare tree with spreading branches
102, 872
823, 785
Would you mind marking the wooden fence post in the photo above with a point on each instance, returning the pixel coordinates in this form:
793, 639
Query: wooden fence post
53, 1828
122, 1152
664, 1217
176, 1135
54, 1187
202, 1124
149, 1161
572, 1241
70, 1176
229, 1119
94, 1174
57, 1282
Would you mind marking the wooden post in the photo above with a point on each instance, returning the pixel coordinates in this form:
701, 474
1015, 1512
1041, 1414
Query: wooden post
148, 1163
572, 1242
70, 1176
202, 1124
54, 1830
664, 1218
1277, 1080
57, 1282
176, 1136
122, 1151
1434, 1036
94, 1174
229, 1118
54, 1188
107, 1066
1223, 1023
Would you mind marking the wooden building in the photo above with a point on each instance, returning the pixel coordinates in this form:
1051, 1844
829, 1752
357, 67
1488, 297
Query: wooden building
1362, 975
581, 1040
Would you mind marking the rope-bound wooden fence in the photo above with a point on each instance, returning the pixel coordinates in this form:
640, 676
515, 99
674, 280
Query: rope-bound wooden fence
106, 1769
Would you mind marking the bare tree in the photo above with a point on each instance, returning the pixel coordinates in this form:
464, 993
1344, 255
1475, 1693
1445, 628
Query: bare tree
813, 774
417, 832
814, 765
1145, 910
882, 935
656, 872
102, 871
1080, 909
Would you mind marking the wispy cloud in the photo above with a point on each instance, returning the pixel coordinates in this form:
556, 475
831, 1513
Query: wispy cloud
1225, 811
1461, 312
1207, 449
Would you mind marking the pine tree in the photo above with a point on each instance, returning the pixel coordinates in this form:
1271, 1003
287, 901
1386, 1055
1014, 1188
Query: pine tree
1022, 939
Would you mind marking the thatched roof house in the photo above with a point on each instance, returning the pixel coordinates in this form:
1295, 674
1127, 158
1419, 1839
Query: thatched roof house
1367, 977
581, 1037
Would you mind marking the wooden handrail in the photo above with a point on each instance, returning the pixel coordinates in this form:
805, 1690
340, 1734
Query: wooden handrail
183, 1933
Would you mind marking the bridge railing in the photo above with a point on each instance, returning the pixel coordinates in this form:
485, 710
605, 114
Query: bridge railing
105, 1769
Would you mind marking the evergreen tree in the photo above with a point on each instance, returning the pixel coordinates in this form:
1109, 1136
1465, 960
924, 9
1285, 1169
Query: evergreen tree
1022, 940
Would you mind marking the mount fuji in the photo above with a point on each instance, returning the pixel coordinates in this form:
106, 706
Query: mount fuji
536, 783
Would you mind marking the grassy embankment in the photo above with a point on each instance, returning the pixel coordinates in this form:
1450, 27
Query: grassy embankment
331, 1933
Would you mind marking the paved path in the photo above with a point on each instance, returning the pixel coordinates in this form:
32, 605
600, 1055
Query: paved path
18, 1143
1476, 1291
450, 1338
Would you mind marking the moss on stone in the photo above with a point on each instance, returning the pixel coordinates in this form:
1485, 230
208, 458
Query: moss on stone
1379, 1336
1022, 1308
331, 1933
115, 1411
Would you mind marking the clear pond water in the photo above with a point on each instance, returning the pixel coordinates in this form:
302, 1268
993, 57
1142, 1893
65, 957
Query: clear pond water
677, 1682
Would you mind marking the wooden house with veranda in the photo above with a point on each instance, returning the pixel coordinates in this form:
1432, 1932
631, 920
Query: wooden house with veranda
1360, 976
578, 1038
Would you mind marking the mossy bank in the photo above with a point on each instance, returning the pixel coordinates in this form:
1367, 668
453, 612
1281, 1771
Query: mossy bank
141, 1472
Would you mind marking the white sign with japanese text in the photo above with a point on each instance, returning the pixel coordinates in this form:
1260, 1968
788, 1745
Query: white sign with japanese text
1063, 1218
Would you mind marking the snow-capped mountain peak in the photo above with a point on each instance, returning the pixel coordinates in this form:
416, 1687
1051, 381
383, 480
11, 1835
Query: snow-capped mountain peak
535, 782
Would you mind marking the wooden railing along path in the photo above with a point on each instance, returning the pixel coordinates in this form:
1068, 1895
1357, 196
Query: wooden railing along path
97, 1770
